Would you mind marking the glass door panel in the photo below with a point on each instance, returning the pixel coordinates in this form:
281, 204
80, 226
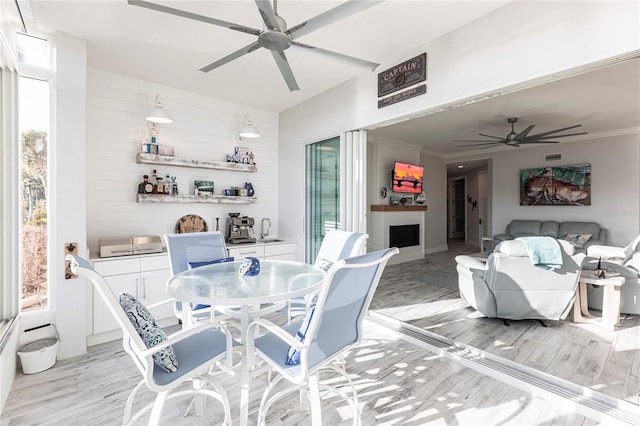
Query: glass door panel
322, 198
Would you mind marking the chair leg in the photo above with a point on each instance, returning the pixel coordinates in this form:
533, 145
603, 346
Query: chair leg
156, 412
126, 419
314, 395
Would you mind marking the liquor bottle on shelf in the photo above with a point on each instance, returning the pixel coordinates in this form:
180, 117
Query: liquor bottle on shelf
142, 185
160, 187
174, 186
167, 185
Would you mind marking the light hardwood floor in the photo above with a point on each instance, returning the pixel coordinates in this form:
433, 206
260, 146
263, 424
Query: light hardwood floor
398, 382
581, 353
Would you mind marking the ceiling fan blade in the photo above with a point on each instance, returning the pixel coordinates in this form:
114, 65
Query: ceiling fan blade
527, 141
536, 138
350, 59
551, 132
268, 15
194, 16
488, 144
235, 55
342, 11
285, 69
492, 137
523, 134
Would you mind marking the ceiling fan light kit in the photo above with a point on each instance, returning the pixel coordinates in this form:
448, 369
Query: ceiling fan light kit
515, 139
275, 36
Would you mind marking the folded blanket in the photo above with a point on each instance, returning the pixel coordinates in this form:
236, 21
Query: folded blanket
544, 252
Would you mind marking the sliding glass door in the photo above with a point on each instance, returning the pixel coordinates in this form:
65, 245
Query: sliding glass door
322, 210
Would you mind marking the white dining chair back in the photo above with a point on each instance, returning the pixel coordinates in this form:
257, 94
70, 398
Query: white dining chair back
196, 350
334, 326
194, 247
337, 245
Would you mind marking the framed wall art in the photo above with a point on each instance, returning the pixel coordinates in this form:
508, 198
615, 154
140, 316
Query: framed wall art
556, 186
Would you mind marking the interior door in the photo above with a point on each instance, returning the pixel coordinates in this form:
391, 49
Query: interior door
322, 196
458, 209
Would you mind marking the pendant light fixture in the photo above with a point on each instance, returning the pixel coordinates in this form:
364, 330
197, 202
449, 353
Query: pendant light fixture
249, 130
158, 114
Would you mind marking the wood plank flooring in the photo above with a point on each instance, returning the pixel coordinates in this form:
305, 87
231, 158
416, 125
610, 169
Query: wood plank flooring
397, 382
424, 295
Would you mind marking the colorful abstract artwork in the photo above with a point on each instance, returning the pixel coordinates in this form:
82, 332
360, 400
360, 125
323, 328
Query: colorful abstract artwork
556, 186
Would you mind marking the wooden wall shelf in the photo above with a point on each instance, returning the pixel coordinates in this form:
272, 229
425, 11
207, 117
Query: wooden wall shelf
395, 208
189, 162
218, 199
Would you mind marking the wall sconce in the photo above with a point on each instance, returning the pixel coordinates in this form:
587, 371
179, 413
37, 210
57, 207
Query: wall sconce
249, 130
158, 114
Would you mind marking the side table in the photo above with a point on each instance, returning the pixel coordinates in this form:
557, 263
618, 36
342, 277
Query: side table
610, 299
484, 241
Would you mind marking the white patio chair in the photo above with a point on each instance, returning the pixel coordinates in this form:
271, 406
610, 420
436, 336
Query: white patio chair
336, 245
333, 326
164, 362
196, 249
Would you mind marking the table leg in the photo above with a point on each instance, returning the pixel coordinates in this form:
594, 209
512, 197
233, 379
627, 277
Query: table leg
246, 367
610, 306
580, 308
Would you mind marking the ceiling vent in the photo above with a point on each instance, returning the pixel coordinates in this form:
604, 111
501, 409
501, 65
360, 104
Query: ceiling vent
553, 157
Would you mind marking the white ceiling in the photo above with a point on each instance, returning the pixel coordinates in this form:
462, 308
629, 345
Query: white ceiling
168, 49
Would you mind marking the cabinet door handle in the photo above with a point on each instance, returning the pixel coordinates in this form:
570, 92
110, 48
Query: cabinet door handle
137, 288
144, 288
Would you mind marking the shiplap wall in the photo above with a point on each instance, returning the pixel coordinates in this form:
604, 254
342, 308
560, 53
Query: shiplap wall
203, 128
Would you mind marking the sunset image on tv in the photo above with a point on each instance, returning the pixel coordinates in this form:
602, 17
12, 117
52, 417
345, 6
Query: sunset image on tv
407, 178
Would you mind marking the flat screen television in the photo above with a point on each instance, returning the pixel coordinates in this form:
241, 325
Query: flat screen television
407, 177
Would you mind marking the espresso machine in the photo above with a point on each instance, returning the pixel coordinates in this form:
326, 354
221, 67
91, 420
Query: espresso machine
240, 229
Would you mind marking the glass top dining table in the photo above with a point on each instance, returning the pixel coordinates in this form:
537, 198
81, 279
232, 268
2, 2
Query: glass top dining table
221, 285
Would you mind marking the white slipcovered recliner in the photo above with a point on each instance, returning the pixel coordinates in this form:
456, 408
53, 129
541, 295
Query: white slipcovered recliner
622, 260
509, 286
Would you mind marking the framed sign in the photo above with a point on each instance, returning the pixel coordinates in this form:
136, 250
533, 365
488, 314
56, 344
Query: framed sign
403, 75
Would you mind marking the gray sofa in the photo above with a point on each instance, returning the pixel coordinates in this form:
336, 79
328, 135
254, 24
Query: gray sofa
550, 228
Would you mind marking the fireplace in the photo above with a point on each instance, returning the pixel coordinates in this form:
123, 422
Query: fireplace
404, 235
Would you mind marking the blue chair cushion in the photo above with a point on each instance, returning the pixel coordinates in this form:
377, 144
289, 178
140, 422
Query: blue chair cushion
193, 265
293, 355
151, 334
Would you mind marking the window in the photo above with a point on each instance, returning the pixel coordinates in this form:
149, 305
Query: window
33, 113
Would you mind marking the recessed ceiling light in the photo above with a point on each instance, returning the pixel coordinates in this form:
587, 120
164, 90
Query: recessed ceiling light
460, 166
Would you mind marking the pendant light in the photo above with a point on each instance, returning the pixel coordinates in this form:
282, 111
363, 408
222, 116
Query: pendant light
158, 114
249, 130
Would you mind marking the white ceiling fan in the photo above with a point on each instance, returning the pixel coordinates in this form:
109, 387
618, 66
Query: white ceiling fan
515, 139
275, 36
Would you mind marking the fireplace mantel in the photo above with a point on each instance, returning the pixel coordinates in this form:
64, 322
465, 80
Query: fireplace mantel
396, 208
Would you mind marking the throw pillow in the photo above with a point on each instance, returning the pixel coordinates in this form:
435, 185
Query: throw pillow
577, 240
148, 330
293, 355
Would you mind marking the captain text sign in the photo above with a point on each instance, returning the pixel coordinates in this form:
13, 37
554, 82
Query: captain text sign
403, 75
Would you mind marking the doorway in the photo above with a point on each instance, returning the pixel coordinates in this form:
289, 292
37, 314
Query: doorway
457, 208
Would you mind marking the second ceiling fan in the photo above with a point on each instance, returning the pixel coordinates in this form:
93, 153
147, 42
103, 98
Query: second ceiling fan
275, 36
515, 139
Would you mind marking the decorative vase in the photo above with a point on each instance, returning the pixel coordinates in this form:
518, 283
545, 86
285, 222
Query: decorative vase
249, 187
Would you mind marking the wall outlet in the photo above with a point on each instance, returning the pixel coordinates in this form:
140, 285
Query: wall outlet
170, 228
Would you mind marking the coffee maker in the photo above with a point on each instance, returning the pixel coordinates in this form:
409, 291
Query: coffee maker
240, 229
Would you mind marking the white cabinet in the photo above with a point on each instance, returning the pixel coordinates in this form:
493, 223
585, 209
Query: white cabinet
246, 250
144, 277
269, 251
285, 251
